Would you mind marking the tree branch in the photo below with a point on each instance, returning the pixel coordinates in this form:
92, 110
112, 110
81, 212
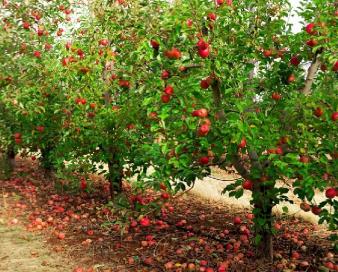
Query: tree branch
311, 74
239, 166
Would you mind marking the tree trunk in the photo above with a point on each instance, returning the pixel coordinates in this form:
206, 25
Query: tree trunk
263, 206
10, 154
115, 174
46, 162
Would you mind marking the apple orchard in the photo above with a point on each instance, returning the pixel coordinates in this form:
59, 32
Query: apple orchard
165, 92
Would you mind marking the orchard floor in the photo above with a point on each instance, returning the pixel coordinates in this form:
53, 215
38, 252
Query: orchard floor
45, 230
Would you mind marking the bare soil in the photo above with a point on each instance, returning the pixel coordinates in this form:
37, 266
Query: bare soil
199, 234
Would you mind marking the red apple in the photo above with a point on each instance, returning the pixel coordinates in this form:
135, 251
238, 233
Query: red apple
145, 222
40, 128
174, 53
247, 184
310, 29
335, 67
37, 54
237, 220
204, 160
312, 43
202, 44
203, 130
169, 90
291, 78
331, 193
26, 25
242, 144
204, 53
334, 116
104, 42
304, 159
295, 61
189, 23
305, 207
155, 44
204, 84
267, 53
318, 112
276, 96
165, 98
165, 74
316, 210
212, 16
61, 236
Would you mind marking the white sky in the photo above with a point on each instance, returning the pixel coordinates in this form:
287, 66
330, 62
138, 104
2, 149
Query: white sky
294, 18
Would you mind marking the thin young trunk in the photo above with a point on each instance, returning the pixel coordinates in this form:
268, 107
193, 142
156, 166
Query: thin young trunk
115, 175
11, 156
263, 205
46, 162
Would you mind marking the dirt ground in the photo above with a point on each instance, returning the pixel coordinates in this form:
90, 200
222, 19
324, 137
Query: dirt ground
190, 231
22, 251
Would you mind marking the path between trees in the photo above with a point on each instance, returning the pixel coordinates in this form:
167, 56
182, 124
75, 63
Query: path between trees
21, 251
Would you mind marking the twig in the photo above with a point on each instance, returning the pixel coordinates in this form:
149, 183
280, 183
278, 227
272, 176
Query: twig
311, 74
181, 194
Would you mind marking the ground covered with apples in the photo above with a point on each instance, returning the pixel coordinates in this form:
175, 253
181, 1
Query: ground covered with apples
44, 229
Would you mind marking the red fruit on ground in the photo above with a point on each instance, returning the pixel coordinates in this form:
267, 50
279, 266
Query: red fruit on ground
329, 265
83, 184
250, 216
61, 236
237, 220
145, 222
165, 196
295, 255
331, 193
